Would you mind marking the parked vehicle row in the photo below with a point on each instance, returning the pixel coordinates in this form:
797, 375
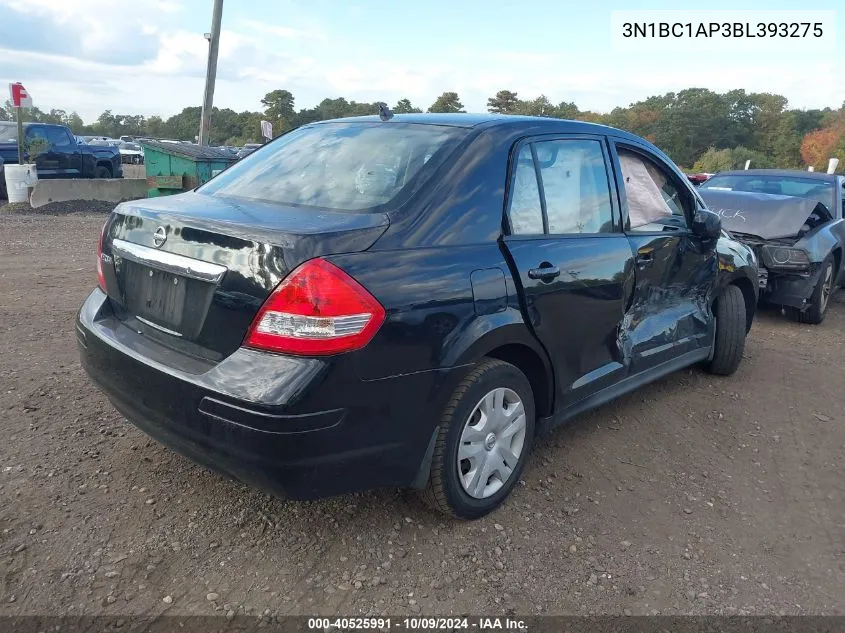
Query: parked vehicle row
64, 156
131, 153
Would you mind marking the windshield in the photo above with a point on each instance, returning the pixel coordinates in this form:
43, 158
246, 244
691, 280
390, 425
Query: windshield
344, 166
8, 133
809, 188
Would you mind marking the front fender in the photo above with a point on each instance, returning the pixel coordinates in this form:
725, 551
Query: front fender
823, 240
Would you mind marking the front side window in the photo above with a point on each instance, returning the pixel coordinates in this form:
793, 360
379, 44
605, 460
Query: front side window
526, 214
575, 186
341, 166
58, 137
654, 201
35, 132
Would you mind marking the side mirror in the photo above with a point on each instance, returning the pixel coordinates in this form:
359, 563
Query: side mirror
706, 224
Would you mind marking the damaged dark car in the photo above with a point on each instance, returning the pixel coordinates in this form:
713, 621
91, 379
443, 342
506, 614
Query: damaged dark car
407, 301
793, 220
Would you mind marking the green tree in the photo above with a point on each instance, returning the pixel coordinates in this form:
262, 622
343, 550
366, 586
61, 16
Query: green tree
765, 128
759, 160
75, 123
106, 124
447, 102
714, 160
185, 125
403, 106
566, 110
694, 119
505, 102
278, 104
541, 106
786, 141
155, 127
807, 120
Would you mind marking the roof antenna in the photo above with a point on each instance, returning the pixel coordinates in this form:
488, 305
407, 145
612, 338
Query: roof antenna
384, 112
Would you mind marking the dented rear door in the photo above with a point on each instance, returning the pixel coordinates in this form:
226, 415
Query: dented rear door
571, 258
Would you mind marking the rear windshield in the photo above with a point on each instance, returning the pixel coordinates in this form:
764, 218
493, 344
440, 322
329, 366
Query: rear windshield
8, 133
343, 166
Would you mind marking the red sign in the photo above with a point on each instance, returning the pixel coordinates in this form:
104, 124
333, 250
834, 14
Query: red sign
20, 97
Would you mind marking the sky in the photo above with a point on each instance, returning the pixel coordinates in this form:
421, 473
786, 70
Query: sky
148, 56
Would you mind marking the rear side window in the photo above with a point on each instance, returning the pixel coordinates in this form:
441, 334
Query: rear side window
573, 189
575, 186
342, 166
526, 213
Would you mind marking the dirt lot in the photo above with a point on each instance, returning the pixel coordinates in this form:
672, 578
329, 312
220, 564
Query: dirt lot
693, 495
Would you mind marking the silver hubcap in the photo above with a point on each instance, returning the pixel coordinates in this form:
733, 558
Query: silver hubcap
491, 443
827, 287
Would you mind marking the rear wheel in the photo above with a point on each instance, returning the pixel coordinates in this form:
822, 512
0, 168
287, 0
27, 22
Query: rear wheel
485, 437
820, 299
730, 332
102, 172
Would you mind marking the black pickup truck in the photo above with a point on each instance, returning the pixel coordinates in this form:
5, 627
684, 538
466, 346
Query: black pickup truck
66, 158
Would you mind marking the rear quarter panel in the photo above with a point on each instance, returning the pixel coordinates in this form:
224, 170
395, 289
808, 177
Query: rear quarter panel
436, 318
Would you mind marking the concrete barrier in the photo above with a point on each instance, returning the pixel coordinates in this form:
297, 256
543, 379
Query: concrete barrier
107, 190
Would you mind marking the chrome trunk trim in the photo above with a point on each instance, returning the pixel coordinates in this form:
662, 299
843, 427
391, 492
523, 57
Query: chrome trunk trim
169, 262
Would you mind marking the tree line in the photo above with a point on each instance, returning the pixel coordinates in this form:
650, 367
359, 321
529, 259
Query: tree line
700, 129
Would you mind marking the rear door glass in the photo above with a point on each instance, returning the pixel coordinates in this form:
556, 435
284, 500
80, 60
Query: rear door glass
575, 186
526, 213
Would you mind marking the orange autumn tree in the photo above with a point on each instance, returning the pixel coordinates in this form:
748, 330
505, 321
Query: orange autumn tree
818, 146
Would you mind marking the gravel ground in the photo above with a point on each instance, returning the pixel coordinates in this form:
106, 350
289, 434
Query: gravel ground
59, 208
693, 495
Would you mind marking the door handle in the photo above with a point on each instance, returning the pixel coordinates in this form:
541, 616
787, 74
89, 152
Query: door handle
544, 273
645, 258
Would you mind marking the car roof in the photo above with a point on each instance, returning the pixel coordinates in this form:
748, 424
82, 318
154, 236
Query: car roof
469, 120
785, 173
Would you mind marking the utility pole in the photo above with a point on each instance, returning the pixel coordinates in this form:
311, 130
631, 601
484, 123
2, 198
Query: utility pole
211, 71
18, 110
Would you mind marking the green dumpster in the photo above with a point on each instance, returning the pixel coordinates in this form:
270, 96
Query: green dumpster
177, 167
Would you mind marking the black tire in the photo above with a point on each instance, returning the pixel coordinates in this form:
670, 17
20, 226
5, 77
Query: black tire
730, 332
102, 172
444, 491
820, 299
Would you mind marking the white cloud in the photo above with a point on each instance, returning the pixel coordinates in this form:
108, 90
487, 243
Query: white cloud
135, 57
286, 32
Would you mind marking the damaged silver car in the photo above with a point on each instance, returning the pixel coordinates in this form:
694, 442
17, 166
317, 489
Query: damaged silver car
793, 220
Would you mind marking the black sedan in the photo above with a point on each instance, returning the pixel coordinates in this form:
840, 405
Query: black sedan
408, 301
794, 221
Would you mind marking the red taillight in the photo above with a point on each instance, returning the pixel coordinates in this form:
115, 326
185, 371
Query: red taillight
101, 279
318, 309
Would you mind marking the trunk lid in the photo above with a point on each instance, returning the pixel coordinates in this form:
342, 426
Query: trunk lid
192, 270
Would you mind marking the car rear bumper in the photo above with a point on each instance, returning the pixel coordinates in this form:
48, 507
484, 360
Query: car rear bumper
297, 427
